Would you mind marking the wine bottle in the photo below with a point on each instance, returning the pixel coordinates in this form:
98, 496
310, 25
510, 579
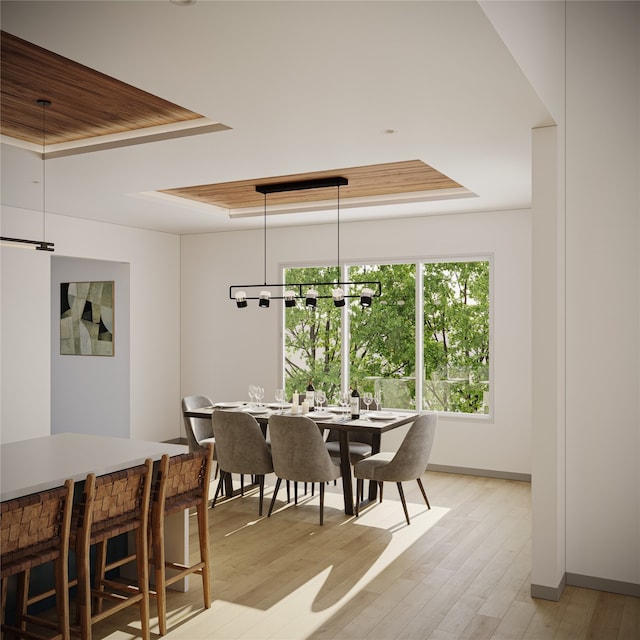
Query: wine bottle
310, 396
355, 404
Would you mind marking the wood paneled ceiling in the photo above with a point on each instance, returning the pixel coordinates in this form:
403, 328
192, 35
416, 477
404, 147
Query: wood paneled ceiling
88, 105
85, 103
364, 182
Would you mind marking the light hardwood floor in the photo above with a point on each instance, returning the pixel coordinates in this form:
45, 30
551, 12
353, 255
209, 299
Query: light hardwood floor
460, 570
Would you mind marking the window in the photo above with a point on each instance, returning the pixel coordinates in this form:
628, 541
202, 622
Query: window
456, 336
436, 359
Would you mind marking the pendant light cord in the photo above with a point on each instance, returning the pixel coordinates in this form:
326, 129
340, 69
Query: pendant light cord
44, 183
265, 239
339, 273
44, 104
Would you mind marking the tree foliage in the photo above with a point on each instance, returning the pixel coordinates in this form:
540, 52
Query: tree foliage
382, 338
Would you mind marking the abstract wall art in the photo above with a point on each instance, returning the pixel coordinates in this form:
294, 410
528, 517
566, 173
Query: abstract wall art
86, 318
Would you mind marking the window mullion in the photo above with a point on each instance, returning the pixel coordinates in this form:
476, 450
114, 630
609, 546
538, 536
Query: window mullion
419, 367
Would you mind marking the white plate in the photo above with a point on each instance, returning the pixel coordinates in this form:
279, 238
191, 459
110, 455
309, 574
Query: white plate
279, 405
256, 410
338, 409
381, 415
228, 405
319, 415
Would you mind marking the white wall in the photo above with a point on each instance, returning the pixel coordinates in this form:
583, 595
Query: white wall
224, 349
25, 332
603, 284
155, 320
92, 394
586, 468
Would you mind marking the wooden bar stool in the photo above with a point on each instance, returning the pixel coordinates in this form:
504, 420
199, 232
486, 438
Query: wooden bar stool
111, 505
35, 530
182, 482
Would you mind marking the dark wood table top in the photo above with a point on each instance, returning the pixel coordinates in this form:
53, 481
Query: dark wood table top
365, 423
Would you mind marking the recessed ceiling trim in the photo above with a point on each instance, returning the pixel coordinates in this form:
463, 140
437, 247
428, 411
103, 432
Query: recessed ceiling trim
126, 139
376, 181
353, 203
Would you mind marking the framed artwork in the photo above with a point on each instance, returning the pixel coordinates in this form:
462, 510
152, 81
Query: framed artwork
86, 318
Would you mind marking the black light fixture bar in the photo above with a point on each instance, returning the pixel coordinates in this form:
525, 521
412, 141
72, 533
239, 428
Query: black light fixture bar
301, 185
299, 289
38, 245
293, 291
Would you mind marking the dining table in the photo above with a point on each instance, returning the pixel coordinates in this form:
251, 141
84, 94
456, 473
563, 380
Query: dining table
371, 422
37, 464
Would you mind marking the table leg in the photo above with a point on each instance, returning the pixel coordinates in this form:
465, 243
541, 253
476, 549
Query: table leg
345, 466
375, 448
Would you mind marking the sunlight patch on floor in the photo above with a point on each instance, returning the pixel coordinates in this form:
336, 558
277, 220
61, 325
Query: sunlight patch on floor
231, 621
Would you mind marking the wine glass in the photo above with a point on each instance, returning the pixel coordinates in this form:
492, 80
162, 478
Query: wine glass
378, 399
252, 394
321, 398
280, 398
259, 395
368, 399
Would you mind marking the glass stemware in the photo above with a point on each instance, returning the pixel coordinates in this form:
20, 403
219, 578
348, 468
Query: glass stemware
378, 399
259, 395
368, 399
252, 394
321, 398
280, 398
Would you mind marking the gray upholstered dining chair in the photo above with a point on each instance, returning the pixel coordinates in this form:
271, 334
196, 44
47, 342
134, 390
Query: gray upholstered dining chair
408, 463
240, 448
300, 455
360, 444
197, 429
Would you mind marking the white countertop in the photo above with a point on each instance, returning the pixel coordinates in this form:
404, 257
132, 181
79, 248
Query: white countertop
29, 466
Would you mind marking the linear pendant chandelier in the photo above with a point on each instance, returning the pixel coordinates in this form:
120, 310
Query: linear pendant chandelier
38, 245
309, 292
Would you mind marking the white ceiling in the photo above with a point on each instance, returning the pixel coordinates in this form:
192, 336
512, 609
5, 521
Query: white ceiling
304, 86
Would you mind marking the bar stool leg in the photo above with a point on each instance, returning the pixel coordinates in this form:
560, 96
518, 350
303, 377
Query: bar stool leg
101, 563
142, 564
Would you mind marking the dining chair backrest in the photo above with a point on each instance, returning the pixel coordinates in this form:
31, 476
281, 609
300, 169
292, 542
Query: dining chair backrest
412, 457
299, 451
196, 429
111, 504
240, 443
181, 483
34, 530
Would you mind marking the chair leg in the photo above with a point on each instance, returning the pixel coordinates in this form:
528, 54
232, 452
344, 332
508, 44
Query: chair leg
5, 589
203, 539
295, 493
288, 492
218, 488
273, 499
22, 597
261, 485
101, 563
83, 595
404, 502
142, 565
424, 493
359, 484
62, 596
321, 503
160, 576
380, 488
